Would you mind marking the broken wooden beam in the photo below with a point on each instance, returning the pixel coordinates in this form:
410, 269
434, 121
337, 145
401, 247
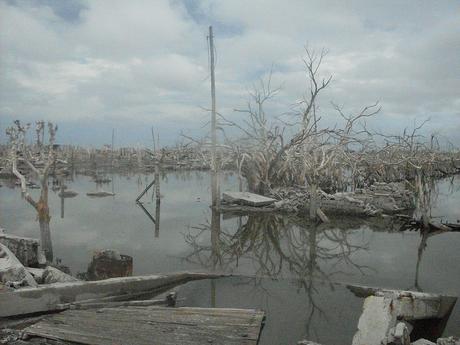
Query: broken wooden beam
169, 301
145, 190
49, 297
321, 215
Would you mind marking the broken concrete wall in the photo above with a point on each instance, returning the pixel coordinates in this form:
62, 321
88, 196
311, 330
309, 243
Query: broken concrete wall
26, 250
389, 316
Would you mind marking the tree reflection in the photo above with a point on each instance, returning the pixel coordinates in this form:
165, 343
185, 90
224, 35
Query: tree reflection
425, 234
278, 247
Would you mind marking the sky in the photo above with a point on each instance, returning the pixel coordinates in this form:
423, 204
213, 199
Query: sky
93, 66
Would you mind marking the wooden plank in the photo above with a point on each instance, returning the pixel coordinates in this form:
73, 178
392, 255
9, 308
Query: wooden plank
246, 198
152, 325
49, 297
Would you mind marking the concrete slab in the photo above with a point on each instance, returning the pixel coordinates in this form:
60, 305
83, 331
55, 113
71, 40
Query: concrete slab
246, 198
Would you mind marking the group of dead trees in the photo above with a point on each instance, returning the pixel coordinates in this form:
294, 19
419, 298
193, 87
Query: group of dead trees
342, 158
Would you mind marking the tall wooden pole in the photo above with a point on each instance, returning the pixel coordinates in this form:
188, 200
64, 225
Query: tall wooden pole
214, 165
113, 143
157, 185
213, 95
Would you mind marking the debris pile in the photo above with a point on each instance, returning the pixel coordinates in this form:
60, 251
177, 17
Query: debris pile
109, 263
379, 198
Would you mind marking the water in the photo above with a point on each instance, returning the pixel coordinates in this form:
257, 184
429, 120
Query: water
288, 267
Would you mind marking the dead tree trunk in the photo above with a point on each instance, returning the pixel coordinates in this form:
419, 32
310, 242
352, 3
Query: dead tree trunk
313, 201
43, 214
422, 199
17, 136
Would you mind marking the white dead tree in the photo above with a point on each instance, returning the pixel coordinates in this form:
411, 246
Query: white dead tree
39, 162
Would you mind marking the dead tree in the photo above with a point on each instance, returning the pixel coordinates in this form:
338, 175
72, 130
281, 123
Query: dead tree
409, 157
312, 63
39, 163
261, 145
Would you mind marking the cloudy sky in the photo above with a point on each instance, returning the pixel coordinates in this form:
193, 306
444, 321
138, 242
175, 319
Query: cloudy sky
91, 66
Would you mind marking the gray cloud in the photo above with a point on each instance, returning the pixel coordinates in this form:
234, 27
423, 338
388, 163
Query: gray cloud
106, 63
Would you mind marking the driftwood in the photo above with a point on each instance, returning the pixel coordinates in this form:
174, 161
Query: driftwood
99, 194
391, 316
49, 297
67, 194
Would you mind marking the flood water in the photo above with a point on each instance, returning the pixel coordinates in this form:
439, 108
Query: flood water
294, 270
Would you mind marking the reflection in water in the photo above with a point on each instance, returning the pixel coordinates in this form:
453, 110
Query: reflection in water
425, 234
277, 245
156, 219
274, 242
119, 224
421, 249
62, 206
427, 198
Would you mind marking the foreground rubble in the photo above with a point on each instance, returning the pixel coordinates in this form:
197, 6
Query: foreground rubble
397, 317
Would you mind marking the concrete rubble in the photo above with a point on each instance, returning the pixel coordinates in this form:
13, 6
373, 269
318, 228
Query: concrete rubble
394, 316
379, 198
12, 273
27, 250
109, 263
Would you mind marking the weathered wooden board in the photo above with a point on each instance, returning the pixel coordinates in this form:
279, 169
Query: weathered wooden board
152, 325
50, 297
246, 198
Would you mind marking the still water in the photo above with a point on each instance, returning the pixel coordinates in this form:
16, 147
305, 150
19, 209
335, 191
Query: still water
293, 270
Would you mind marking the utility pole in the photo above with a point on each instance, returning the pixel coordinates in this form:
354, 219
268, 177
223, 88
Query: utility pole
113, 142
214, 166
